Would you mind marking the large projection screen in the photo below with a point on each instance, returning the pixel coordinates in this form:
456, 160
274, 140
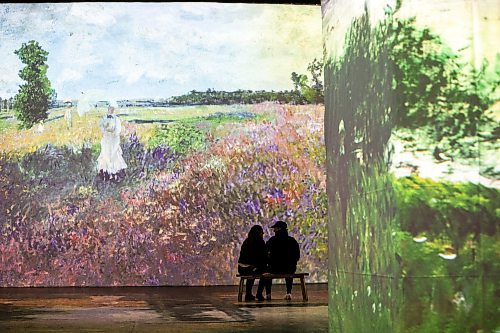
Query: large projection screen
221, 128
412, 125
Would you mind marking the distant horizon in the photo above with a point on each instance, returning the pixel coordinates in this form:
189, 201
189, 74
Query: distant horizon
165, 98
107, 49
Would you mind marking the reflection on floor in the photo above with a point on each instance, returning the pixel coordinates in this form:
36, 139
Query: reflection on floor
160, 309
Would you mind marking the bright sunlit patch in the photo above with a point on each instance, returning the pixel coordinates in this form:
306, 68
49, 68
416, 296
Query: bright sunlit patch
419, 239
448, 254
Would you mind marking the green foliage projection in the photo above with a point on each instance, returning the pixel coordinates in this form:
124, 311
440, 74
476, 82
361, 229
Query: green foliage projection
357, 130
453, 211
449, 295
396, 76
434, 90
180, 137
32, 101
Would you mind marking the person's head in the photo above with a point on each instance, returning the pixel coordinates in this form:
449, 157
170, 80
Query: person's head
68, 103
279, 226
111, 109
256, 232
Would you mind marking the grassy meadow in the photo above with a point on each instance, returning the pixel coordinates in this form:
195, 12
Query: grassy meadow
197, 179
85, 130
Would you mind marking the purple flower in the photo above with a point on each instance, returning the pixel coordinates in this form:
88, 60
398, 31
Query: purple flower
271, 148
163, 154
183, 206
277, 193
134, 140
153, 281
261, 168
53, 244
72, 209
306, 200
52, 218
252, 206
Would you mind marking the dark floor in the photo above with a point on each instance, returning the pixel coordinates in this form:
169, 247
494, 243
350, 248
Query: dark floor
160, 309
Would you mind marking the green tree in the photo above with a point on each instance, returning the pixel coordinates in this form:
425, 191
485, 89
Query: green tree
296, 81
32, 101
311, 92
316, 70
53, 98
434, 91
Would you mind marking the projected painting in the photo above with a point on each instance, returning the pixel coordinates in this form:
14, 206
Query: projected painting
140, 142
411, 124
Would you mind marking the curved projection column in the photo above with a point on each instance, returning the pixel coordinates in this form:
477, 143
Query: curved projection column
411, 131
363, 291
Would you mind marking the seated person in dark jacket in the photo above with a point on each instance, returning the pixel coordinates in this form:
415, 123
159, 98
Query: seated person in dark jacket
284, 253
253, 260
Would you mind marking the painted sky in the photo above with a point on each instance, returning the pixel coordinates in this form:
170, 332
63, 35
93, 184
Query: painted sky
138, 50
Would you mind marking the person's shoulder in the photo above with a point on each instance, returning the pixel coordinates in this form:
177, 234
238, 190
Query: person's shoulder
270, 240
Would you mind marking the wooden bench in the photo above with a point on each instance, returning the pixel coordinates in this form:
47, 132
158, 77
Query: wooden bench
273, 276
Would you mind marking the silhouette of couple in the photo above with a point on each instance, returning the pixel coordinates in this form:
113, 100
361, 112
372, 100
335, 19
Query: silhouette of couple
279, 255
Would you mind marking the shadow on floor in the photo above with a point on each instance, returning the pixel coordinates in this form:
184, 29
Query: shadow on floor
153, 309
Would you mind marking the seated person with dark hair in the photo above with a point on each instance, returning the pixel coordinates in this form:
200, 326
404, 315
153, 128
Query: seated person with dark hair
284, 253
253, 260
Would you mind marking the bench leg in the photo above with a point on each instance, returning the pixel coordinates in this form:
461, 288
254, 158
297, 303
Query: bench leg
240, 290
304, 290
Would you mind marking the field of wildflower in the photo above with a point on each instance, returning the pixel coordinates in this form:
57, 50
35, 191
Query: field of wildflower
197, 179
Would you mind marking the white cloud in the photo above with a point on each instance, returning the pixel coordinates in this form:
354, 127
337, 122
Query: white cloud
9, 69
132, 62
181, 78
69, 74
93, 13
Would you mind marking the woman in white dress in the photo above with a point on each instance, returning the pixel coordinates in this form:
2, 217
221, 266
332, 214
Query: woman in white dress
68, 113
110, 162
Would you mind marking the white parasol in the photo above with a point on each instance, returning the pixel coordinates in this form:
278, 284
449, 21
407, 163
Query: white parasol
90, 100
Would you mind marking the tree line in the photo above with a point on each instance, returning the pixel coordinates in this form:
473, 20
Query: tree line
306, 90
